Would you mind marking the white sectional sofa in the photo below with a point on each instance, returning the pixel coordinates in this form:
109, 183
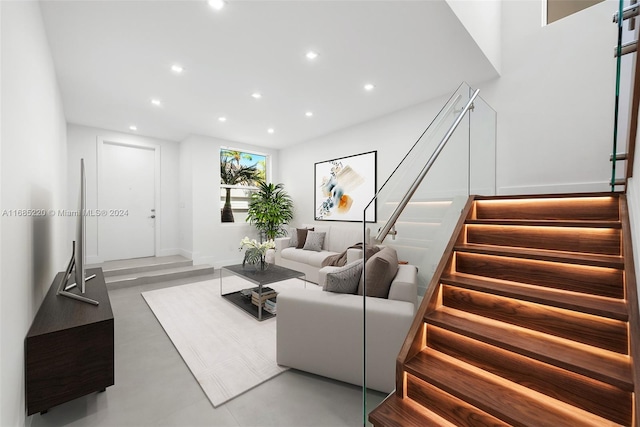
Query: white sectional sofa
337, 240
322, 332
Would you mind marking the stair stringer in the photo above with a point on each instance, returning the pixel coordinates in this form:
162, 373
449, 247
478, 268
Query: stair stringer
631, 294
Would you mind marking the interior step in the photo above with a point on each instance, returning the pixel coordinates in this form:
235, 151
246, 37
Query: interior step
596, 208
137, 265
603, 241
606, 282
595, 260
592, 330
510, 402
591, 395
154, 276
608, 367
396, 412
583, 303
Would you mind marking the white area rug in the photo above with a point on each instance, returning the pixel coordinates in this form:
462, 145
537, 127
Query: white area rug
227, 350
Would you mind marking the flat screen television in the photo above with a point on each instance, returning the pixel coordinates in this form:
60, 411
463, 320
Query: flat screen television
76, 266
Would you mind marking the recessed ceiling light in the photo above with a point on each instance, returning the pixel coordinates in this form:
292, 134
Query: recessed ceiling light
222, 119
177, 68
216, 4
309, 113
133, 127
311, 55
156, 102
369, 87
270, 130
256, 95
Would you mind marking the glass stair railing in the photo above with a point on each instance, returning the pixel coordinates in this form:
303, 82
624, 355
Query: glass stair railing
626, 101
420, 203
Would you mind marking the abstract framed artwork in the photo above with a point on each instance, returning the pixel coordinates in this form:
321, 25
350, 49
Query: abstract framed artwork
344, 187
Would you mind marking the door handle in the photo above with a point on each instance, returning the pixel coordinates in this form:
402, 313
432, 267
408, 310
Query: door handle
152, 216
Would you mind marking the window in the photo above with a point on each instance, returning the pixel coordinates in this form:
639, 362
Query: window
240, 172
558, 9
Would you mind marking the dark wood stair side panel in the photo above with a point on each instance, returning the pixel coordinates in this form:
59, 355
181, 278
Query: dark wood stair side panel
631, 289
587, 329
606, 282
397, 412
610, 261
594, 396
584, 303
511, 403
572, 239
608, 367
449, 407
550, 208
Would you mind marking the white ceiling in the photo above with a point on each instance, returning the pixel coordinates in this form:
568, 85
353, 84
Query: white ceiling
113, 57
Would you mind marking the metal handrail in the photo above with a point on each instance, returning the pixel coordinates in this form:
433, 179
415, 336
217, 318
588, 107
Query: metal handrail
628, 12
384, 231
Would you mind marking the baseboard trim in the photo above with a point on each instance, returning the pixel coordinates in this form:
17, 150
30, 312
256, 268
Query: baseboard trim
169, 252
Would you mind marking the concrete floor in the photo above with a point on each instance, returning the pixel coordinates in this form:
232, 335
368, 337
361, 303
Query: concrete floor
154, 387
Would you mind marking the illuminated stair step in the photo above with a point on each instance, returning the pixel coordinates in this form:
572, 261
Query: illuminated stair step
507, 401
602, 399
606, 282
604, 241
606, 366
597, 208
585, 328
583, 303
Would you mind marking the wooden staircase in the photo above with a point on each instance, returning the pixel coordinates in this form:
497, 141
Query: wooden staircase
526, 322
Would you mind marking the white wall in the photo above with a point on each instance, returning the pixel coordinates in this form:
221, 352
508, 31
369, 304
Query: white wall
82, 142
481, 18
392, 136
213, 242
33, 176
555, 99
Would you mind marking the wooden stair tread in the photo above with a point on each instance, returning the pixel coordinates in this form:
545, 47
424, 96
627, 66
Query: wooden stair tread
588, 394
600, 306
547, 223
397, 412
507, 401
605, 366
610, 261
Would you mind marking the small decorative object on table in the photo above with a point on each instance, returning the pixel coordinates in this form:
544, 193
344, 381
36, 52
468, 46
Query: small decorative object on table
255, 252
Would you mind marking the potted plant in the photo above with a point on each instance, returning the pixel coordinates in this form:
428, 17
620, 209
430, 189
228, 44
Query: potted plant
233, 173
269, 209
255, 253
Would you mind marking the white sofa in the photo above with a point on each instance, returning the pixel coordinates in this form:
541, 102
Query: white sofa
337, 240
321, 332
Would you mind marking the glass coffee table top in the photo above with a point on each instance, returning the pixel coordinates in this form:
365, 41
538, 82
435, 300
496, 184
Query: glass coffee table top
273, 274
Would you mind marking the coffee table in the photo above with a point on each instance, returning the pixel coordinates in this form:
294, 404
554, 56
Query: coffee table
273, 274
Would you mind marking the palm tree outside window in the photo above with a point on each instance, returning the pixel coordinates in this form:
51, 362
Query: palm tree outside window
240, 174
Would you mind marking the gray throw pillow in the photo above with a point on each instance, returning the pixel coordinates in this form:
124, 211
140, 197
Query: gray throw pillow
315, 240
380, 270
293, 237
345, 280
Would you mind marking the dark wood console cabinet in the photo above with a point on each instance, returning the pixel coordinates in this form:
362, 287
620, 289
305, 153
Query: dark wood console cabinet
69, 349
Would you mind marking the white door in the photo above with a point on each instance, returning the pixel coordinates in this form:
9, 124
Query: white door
126, 201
